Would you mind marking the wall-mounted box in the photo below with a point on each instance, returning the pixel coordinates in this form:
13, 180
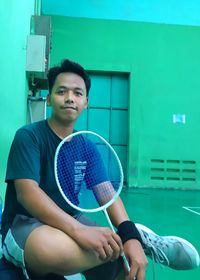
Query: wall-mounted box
36, 109
36, 55
41, 25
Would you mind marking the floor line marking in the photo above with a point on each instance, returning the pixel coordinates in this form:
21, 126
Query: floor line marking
190, 210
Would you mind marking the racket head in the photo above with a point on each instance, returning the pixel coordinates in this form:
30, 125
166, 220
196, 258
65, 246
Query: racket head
88, 171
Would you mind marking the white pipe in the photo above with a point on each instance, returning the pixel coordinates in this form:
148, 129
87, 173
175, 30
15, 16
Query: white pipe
37, 7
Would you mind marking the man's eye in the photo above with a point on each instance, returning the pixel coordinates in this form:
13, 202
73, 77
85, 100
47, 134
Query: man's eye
60, 91
79, 93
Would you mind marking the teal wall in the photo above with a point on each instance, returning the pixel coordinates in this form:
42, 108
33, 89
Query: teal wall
15, 26
163, 62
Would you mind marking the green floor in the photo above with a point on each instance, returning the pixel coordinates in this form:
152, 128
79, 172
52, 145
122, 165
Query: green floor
163, 212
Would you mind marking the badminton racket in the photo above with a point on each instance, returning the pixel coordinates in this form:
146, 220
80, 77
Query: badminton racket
88, 173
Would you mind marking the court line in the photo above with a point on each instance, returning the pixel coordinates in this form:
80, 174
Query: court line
190, 209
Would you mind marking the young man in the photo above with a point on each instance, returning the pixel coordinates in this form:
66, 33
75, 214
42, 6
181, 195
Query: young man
45, 236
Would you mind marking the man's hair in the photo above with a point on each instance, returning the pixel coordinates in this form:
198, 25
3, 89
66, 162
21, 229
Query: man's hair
67, 66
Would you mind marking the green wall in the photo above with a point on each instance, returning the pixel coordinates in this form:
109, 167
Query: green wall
163, 61
15, 26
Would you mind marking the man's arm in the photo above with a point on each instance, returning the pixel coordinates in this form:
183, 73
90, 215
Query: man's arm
42, 207
117, 212
132, 248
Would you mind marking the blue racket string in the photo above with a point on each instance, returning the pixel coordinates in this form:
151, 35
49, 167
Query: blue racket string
88, 173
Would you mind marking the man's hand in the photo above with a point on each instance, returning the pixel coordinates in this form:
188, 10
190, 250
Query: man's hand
137, 259
106, 244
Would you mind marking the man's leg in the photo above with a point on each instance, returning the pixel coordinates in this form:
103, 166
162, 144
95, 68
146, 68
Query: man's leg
49, 250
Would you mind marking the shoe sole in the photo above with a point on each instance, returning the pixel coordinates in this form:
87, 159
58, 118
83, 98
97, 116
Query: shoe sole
146, 229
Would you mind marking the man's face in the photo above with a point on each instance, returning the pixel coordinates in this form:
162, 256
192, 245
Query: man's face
68, 97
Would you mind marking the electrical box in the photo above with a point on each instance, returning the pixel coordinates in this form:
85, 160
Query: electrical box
38, 52
36, 58
41, 25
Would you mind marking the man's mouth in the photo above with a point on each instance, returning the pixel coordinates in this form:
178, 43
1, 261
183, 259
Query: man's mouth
69, 108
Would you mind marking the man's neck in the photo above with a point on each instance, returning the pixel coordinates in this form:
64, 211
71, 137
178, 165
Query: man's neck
61, 130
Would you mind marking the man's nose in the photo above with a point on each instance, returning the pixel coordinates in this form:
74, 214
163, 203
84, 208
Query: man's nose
69, 96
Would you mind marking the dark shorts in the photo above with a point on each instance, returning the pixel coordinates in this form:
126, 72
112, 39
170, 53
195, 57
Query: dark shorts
22, 226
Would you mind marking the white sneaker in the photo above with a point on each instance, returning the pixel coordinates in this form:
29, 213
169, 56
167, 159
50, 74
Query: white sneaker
172, 251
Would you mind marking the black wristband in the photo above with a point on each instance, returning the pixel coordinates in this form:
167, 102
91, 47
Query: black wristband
127, 230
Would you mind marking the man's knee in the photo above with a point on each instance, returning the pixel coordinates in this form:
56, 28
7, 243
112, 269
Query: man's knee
48, 250
44, 249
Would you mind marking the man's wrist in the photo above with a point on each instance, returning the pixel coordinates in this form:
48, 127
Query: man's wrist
127, 230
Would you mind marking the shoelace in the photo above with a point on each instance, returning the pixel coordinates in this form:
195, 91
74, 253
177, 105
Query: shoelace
157, 254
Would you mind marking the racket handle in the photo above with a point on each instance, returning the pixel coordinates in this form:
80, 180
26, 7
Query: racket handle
112, 227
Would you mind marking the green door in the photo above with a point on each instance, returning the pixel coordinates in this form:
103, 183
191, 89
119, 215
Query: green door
107, 113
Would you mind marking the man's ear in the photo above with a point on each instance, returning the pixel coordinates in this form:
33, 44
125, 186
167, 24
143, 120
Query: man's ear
86, 103
48, 100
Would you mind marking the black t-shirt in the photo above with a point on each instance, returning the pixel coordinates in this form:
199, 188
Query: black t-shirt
32, 157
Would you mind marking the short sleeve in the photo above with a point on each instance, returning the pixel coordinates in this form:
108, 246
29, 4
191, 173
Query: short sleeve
24, 157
